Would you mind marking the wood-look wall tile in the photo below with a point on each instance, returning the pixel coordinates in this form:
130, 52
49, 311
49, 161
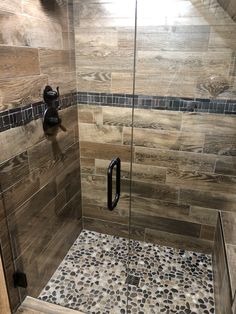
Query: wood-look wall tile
166, 225
54, 61
105, 151
69, 117
139, 172
185, 161
229, 222
226, 165
212, 124
208, 199
117, 116
14, 170
40, 261
178, 241
201, 180
2, 210
12, 30
203, 215
13, 95
106, 227
121, 82
67, 82
24, 231
223, 296
159, 208
69, 179
208, 232
85, 114
231, 255
17, 140
154, 119
220, 145
16, 61
120, 215
165, 139
48, 11
43, 33
87, 165
20, 192
100, 134
54, 165
155, 191
90, 81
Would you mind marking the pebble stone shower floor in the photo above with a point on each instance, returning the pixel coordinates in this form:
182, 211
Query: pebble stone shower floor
92, 278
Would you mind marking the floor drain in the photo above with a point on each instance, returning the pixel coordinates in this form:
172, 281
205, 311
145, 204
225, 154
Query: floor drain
132, 280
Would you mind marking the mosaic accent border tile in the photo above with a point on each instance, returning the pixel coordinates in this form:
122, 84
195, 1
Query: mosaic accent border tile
93, 278
160, 103
13, 118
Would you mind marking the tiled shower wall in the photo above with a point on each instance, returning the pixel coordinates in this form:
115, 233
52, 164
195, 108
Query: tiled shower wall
40, 200
184, 163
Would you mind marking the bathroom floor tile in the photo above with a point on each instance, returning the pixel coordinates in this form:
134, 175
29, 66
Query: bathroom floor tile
92, 278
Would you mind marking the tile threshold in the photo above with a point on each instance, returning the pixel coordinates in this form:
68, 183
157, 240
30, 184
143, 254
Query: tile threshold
36, 306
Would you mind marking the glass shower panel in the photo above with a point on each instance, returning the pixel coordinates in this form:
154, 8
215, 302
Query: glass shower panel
183, 77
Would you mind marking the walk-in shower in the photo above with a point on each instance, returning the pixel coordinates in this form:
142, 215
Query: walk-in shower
132, 208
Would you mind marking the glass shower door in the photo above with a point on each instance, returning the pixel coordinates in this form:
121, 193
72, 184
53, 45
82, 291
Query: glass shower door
177, 122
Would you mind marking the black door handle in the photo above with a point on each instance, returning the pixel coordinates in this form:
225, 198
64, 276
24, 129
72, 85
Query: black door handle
110, 202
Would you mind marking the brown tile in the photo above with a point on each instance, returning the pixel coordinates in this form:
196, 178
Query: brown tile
87, 165
106, 227
207, 232
13, 95
231, 255
166, 225
117, 116
17, 140
209, 124
104, 151
67, 82
164, 139
154, 190
14, 170
229, 222
20, 192
119, 215
208, 199
85, 114
2, 210
226, 165
90, 81
54, 61
19, 61
100, 133
220, 145
201, 180
12, 30
203, 215
144, 173
178, 241
184, 161
69, 180
24, 232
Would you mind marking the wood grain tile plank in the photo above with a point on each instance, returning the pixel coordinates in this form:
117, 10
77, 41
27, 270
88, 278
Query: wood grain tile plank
13, 170
18, 62
201, 180
184, 161
100, 134
178, 241
104, 151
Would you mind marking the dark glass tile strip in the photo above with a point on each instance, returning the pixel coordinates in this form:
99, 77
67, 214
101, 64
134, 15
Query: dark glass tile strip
23, 115
219, 106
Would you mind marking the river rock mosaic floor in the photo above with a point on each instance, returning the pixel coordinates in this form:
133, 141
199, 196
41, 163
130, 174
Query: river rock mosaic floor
92, 278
